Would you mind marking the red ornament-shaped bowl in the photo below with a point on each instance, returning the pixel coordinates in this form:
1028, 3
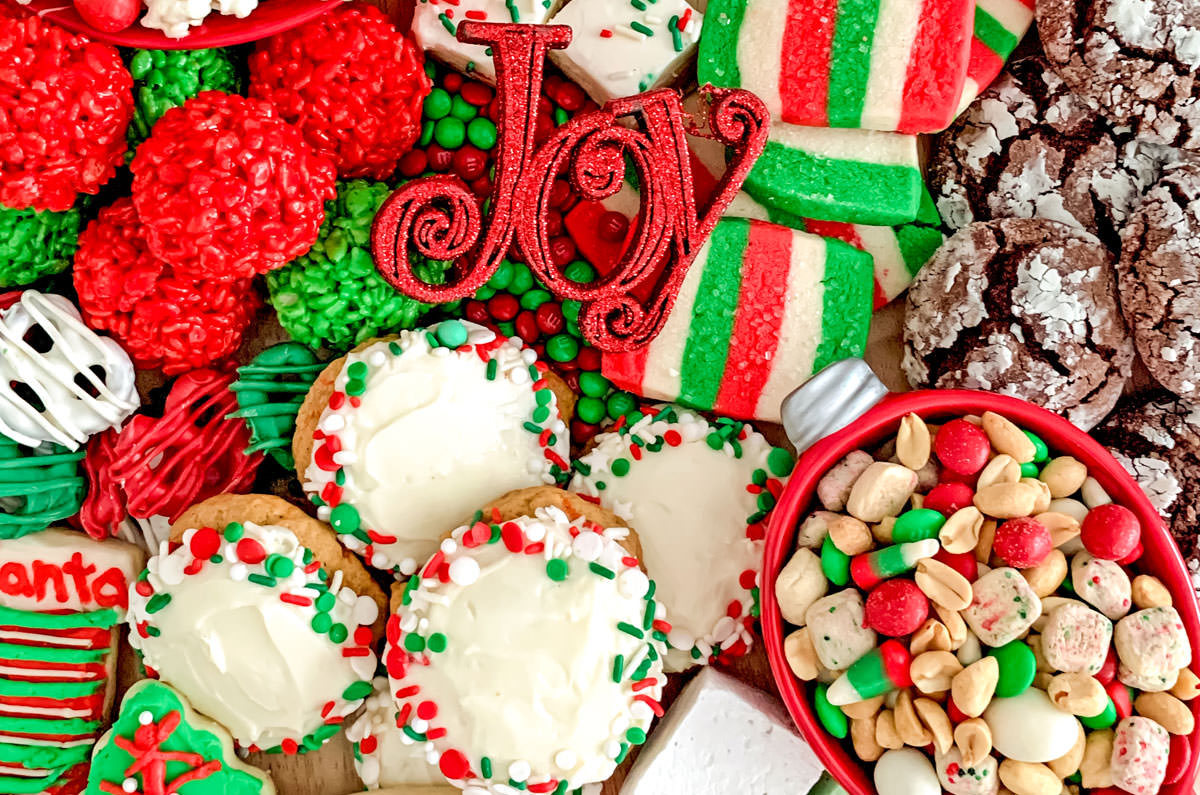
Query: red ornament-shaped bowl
271, 17
872, 427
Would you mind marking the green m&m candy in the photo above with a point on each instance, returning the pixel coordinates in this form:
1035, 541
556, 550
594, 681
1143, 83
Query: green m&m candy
832, 719
1106, 718
835, 564
1017, 668
917, 525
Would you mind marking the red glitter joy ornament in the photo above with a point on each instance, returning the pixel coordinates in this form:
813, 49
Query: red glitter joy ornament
625, 308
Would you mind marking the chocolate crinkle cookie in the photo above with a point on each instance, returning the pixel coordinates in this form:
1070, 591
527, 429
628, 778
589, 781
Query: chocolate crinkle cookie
1159, 279
1023, 307
1028, 148
1157, 438
1136, 59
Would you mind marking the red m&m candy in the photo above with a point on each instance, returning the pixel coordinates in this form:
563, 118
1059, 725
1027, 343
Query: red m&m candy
1110, 532
962, 447
946, 498
1022, 543
895, 608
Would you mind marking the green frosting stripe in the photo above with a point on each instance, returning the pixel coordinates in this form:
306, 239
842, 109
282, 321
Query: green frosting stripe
19, 785
43, 756
71, 727
846, 303
12, 688
99, 619
16, 651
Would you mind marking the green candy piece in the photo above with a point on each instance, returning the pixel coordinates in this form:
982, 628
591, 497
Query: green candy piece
1106, 718
450, 133
38, 486
451, 333
835, 564
917, 525
562, 347
590, 410
481, 132
620, 403
164, 79
535, 298
522, 279
461, 109
502, 277
1029, 470
832, 719
593, 384
269, 392
333, 297
437, 104
1041, 453
1017, 668
580, 271
35, 244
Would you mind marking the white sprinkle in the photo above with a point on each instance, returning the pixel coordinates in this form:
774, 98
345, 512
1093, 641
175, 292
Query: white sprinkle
612, 749
519, 770
408, 567
145, 717
238, 572
464, 571
588, 545
333, 423
129, 785
419, 725
633, 583
566, 759
449, 546
377, 358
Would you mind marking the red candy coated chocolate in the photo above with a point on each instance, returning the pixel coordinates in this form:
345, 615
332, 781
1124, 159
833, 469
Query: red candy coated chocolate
896, 608
1108, 671
1022, 543
962, 562
1110, 532
1177, 762
962, 447
946, 498
1119, 694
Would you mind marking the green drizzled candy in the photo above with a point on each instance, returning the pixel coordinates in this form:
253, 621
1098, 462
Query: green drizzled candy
35, 244
333, 296
165, 79
269, 392
38, 486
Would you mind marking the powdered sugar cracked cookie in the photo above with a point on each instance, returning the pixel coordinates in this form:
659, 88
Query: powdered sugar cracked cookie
404, 437
1136, 59
1023, 307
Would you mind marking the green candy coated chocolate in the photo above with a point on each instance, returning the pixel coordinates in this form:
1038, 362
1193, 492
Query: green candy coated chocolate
1017, 668
461, 109
269, 392
35, 244
832, 719
502, 277
562, 347
1029, 470
164, 79
481, 132
835, 564
917, 525
1106, 718
437, 104
580, 271
450, 133
1041, 453
522, 279
593, 384
620, 403
590, 410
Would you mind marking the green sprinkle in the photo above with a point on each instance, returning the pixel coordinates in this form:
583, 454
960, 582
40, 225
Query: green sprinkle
338, 633
395, 348
449, 26
437, 643
345, 518
640, 28
596, 568
356, 691
485, 767
541, 414
357, 371
325, 602
414, 734
492, 367
414, 643
557, 569
452, 333
638, 4
715, 441
265, 580
779, 461
635, 735
279, 566
648, 616
676, 36
158, 602
630, 629
234, 531
620, 467
618, 669
321, 623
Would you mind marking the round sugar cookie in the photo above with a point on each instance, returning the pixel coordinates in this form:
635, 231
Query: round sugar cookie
698, 494
1024, 307
384, 756
403, 438
1135, 59
528, 653
261, 619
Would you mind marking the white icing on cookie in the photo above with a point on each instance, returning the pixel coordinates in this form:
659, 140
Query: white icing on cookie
384, 756
432, 439
435, 26
255, 645
691, 504
71, 382
541, 654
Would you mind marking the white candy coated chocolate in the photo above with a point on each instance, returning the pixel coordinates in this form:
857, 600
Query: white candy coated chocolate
835, 624
906, 771
1029, 728
1102, 584
1003, 607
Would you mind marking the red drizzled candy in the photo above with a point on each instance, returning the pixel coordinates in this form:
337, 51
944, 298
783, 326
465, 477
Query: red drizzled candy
1022, 543
895, 608
226, 189
962, 447
946, 498
104, 506
351, 82
65, 102
1110, 532
162, 320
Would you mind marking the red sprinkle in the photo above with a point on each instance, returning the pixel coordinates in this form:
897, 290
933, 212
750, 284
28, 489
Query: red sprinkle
654, 705
249, 550
295, 599
453, 764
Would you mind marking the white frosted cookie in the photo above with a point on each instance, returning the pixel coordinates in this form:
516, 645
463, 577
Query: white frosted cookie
250, 627
59, 381
421, 430
619, 49
384, 756
698, 494
529, 651
435, 27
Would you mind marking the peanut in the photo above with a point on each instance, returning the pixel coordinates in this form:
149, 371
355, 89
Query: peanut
917, 501
850, 535
885, 730
954, 625
937, 722
1095, 770
1064, 475
1042, 679
863, 709
1093, 493
1148, 591
1078, 694
1001, 469
1042, 503
932, 671
974, 419
1062, 527
974, 740
801, 656
882, 490
1068, 763
1187, 686
883, 530
1029, 778
908, 725
1167, 711
943, 585
1007, 438
1034, 642
973, 687
862, 735
1045, 577
913, 442
931, 636
987, 534
960, 533
1007, 500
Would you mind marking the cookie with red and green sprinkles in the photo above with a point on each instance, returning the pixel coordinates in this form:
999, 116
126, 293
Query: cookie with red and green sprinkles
700, 494
257, 615
528, 653
406, 436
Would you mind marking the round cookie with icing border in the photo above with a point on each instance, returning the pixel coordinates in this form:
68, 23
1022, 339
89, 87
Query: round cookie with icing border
699, 495
261, 619
528, 653
384, 756
59, 381
405, 436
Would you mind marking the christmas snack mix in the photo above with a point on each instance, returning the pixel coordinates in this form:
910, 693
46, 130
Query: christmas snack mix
350, 82
491, 670
671, 474
1017, 651
62, 598
252, 612
402, 436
